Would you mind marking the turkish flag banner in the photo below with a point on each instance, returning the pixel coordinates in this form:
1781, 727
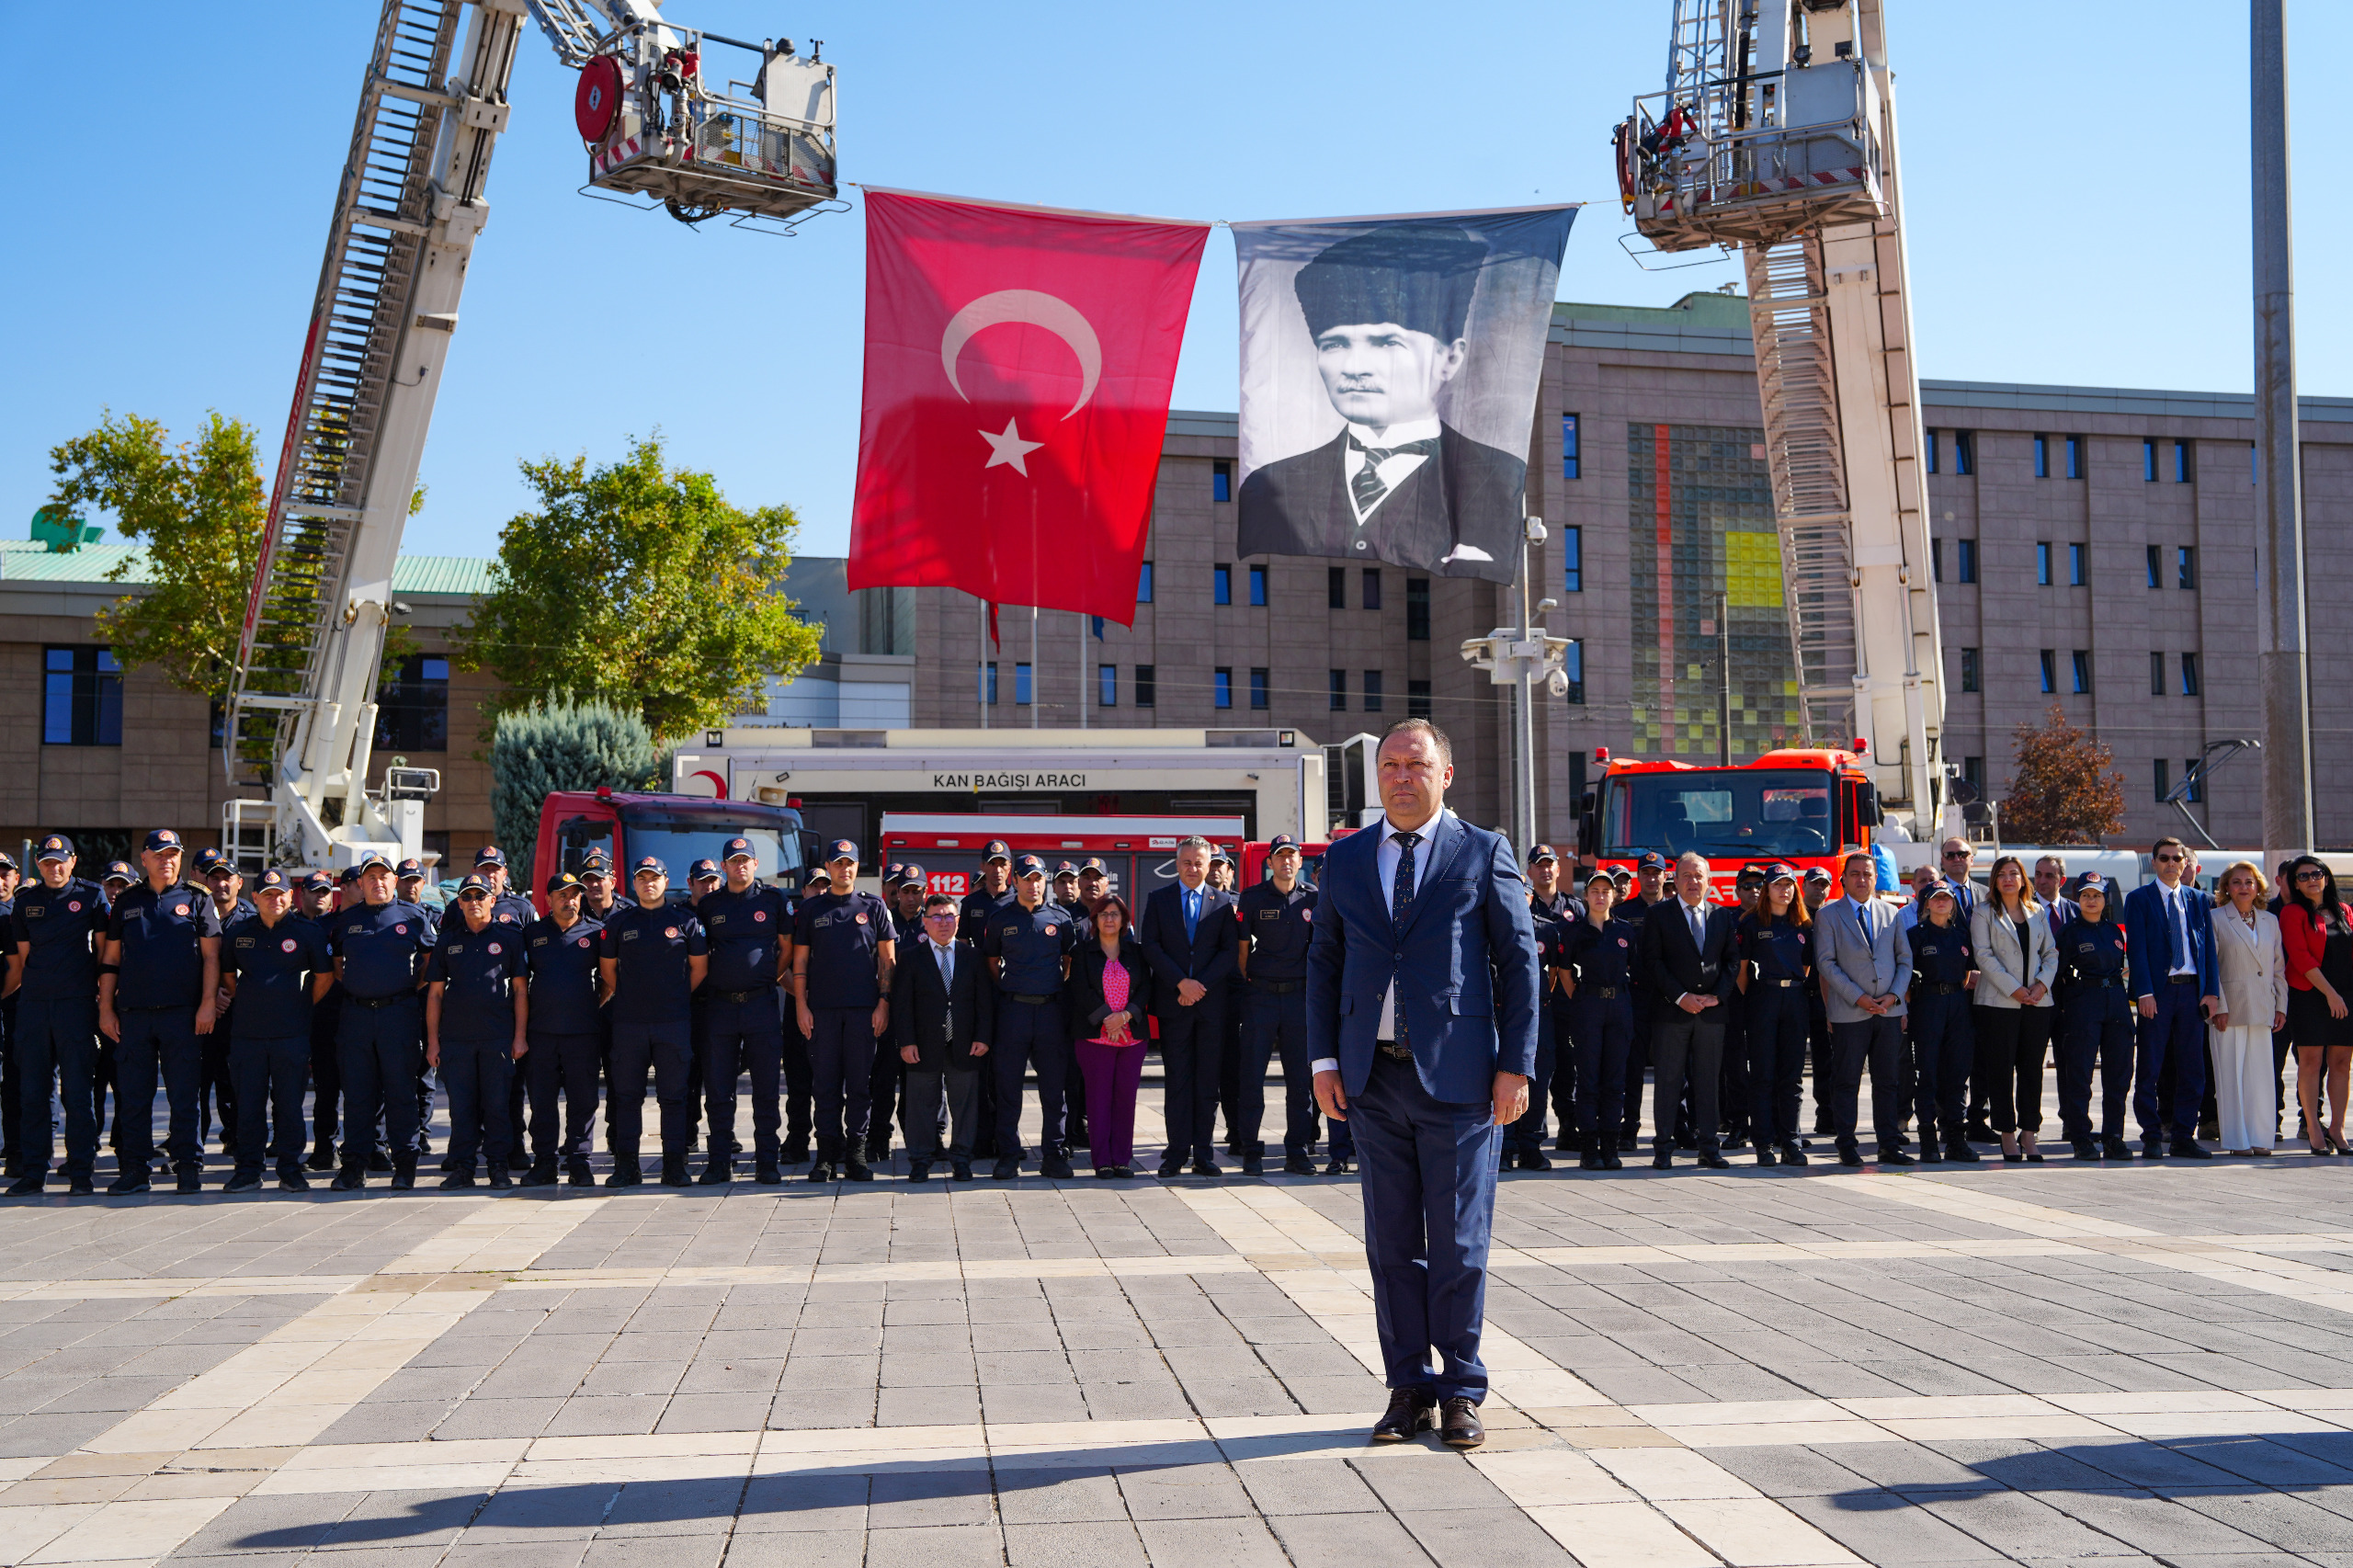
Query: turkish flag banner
1018, 363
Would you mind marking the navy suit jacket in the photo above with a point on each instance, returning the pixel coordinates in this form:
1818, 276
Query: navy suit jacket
1463, 962
2148, 946
1209, 957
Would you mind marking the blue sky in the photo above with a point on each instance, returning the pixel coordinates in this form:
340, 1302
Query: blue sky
2075, 186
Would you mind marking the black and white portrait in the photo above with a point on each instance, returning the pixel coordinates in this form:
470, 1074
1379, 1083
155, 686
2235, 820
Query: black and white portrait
1389, 377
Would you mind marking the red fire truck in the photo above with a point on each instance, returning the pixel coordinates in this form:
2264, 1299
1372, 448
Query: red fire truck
1806, 808
1139, 852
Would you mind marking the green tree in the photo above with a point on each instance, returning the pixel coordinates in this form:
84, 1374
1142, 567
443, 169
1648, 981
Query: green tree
640, 586
555, 745
2065, 789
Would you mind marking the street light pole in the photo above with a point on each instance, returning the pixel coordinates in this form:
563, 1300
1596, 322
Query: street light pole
2279, 525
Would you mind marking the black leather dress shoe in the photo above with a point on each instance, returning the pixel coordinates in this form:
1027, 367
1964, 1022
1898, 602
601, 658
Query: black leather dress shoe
1663, 1160
2191, 1151
1206, 1167
1791, 1154
1459, 1422
1849, 1157
1340, 1165
1765, 1154
2116, 1149
1713, 1160
1409, 1411
1297, 1165
1896, 1157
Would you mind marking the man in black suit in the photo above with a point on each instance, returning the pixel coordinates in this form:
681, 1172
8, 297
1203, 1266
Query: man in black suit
1189, 935
941, 999
1688, 963
1387, 308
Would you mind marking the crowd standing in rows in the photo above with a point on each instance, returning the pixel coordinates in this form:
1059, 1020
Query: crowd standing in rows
845, 1009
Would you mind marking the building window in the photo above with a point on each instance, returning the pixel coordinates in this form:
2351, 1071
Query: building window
2185, 563
1335, 587
2189, 674
1933, 443
1572, 666
1221, 480
1568, 463
2079, 565
2042, 457
1340, 692
2082, 663
2185, 463
1107, 686
1972, 773
2156, 674
2042, 562
2075, 457
1964, 559
2193, 786
988, 682
2156, 567
1147, 685
1371, 587
2149, 458
1258, 687
1021, 695
1936, 559
1971, 675
2050, 671
1222, 687
81, 697
2163, 778
1964, 452
413, 710
1417, 609
1258, 586
1573, 560
1417, 700
1144, 583
1373, 691
1222, 583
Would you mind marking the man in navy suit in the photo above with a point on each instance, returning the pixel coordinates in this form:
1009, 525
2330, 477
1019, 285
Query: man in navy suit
1189, 935
2169, 947
1688, 965
1421, 1018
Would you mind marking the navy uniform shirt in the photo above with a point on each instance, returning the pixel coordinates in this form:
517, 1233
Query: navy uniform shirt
1277, 926
1602, 956
1030, 946
909, 926
746, 931
563, 968
972, 914
382, 947
509, 908
273, 965
423, 912
1941, 954
1777, 951
478, 972
162, 933
653, 982
842, 932
238, 911
58, 923
2091, 971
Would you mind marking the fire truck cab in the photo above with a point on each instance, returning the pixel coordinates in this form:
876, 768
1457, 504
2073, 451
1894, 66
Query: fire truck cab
1807, 808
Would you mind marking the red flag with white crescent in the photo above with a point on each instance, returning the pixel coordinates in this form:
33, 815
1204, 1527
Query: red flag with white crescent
1018, 366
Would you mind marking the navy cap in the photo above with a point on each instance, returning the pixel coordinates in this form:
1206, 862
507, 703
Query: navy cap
474, 881
1094, 863
1219, 852
1541, 852
1601, 874
56, 847
1754, 870
911, 875
819, 876
1065, 869
1651, 860
162, 838
596, 860
561, 881
891, 872
1029, 864
272, 880
1936, 889
995, 849
410, 866
2093, 880
703, 869
371, 859
648, 863
347, 876
209, 861
1281, 841
735, 847
1780, 872
1816, 874
841, 849
317, 881
490, 855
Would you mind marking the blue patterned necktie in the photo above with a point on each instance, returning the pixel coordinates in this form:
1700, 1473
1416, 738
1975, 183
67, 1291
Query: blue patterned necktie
2180, 937
1192, 912
1401, 902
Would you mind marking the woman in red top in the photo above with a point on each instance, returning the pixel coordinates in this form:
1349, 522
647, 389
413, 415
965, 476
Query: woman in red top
2316, 930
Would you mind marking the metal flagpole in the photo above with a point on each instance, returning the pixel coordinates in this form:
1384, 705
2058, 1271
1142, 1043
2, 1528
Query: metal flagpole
1036, 675
981, 681
1081, 618
2279, 527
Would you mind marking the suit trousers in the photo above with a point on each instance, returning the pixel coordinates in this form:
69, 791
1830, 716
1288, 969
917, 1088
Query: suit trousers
1275, 1027
1733, 1092
1685, 1048
1876, 1043
2175, 1040
56, 1045
160, 1040
841, 1056
376, 1051
1776, 1041
928, 1095
1191, 1042
1430, 1207
2108, 1042
666, 1048
475, 1075
1944, 1055
270, 1072
739, 1038
326, 1074
2011, 1045
562, 1064
1602, 1031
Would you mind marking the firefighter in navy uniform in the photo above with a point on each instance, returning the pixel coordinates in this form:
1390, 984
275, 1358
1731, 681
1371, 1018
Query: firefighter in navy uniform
276, 966
566, 1033
1277, 917
218, 1091
1523, 1140
156, 988
842, 954
13, 1143
513, 909
2097, 1015
1596, 967
971, 923
1650, 892
653, 958
477, 1026
746, 924
408, 889
1943, 1042
906, 903
57, 929
1550, 897
1775, 987
601, 901
1029, 943
381, 949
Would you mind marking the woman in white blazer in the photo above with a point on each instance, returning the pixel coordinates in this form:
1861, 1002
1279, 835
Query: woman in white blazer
2251, 973
2016, 960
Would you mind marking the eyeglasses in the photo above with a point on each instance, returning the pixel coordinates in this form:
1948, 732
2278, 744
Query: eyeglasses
2312, 876
1956, 854
2168, 859
940, 914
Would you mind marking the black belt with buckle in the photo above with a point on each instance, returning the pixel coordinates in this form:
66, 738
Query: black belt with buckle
2181, 980
1277, 987
1033, 1001
1607, 992
377, 1001
2104, 981
1771, 980
1937, 988
739, 997
1392, 1049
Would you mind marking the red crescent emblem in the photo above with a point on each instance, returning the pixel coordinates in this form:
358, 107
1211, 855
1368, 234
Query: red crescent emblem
493, 947
584, 941
668, 931
401, 929
287, 945
1051, 930
1621, 941
861, 920
73, 905
759, 915
1307, 913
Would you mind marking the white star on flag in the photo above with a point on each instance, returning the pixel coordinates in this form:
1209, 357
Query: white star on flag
1009, 448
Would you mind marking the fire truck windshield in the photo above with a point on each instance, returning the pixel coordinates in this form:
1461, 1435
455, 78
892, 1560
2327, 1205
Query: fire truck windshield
1754, 813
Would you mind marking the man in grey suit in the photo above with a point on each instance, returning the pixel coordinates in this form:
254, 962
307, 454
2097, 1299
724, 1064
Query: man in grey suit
1866, 967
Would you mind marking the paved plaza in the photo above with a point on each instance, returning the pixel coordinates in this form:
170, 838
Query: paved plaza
2025, 1363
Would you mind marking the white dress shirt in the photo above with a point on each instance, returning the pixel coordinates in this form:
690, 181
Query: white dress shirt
1393, 472
1384, 863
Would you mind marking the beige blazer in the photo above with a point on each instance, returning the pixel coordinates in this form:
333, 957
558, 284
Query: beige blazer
2001, 968
2251, 968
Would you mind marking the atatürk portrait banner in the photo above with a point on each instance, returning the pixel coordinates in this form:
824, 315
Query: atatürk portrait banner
1390, 367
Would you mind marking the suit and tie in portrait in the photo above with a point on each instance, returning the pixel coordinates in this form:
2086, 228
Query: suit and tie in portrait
1191, 939
1421, 1016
